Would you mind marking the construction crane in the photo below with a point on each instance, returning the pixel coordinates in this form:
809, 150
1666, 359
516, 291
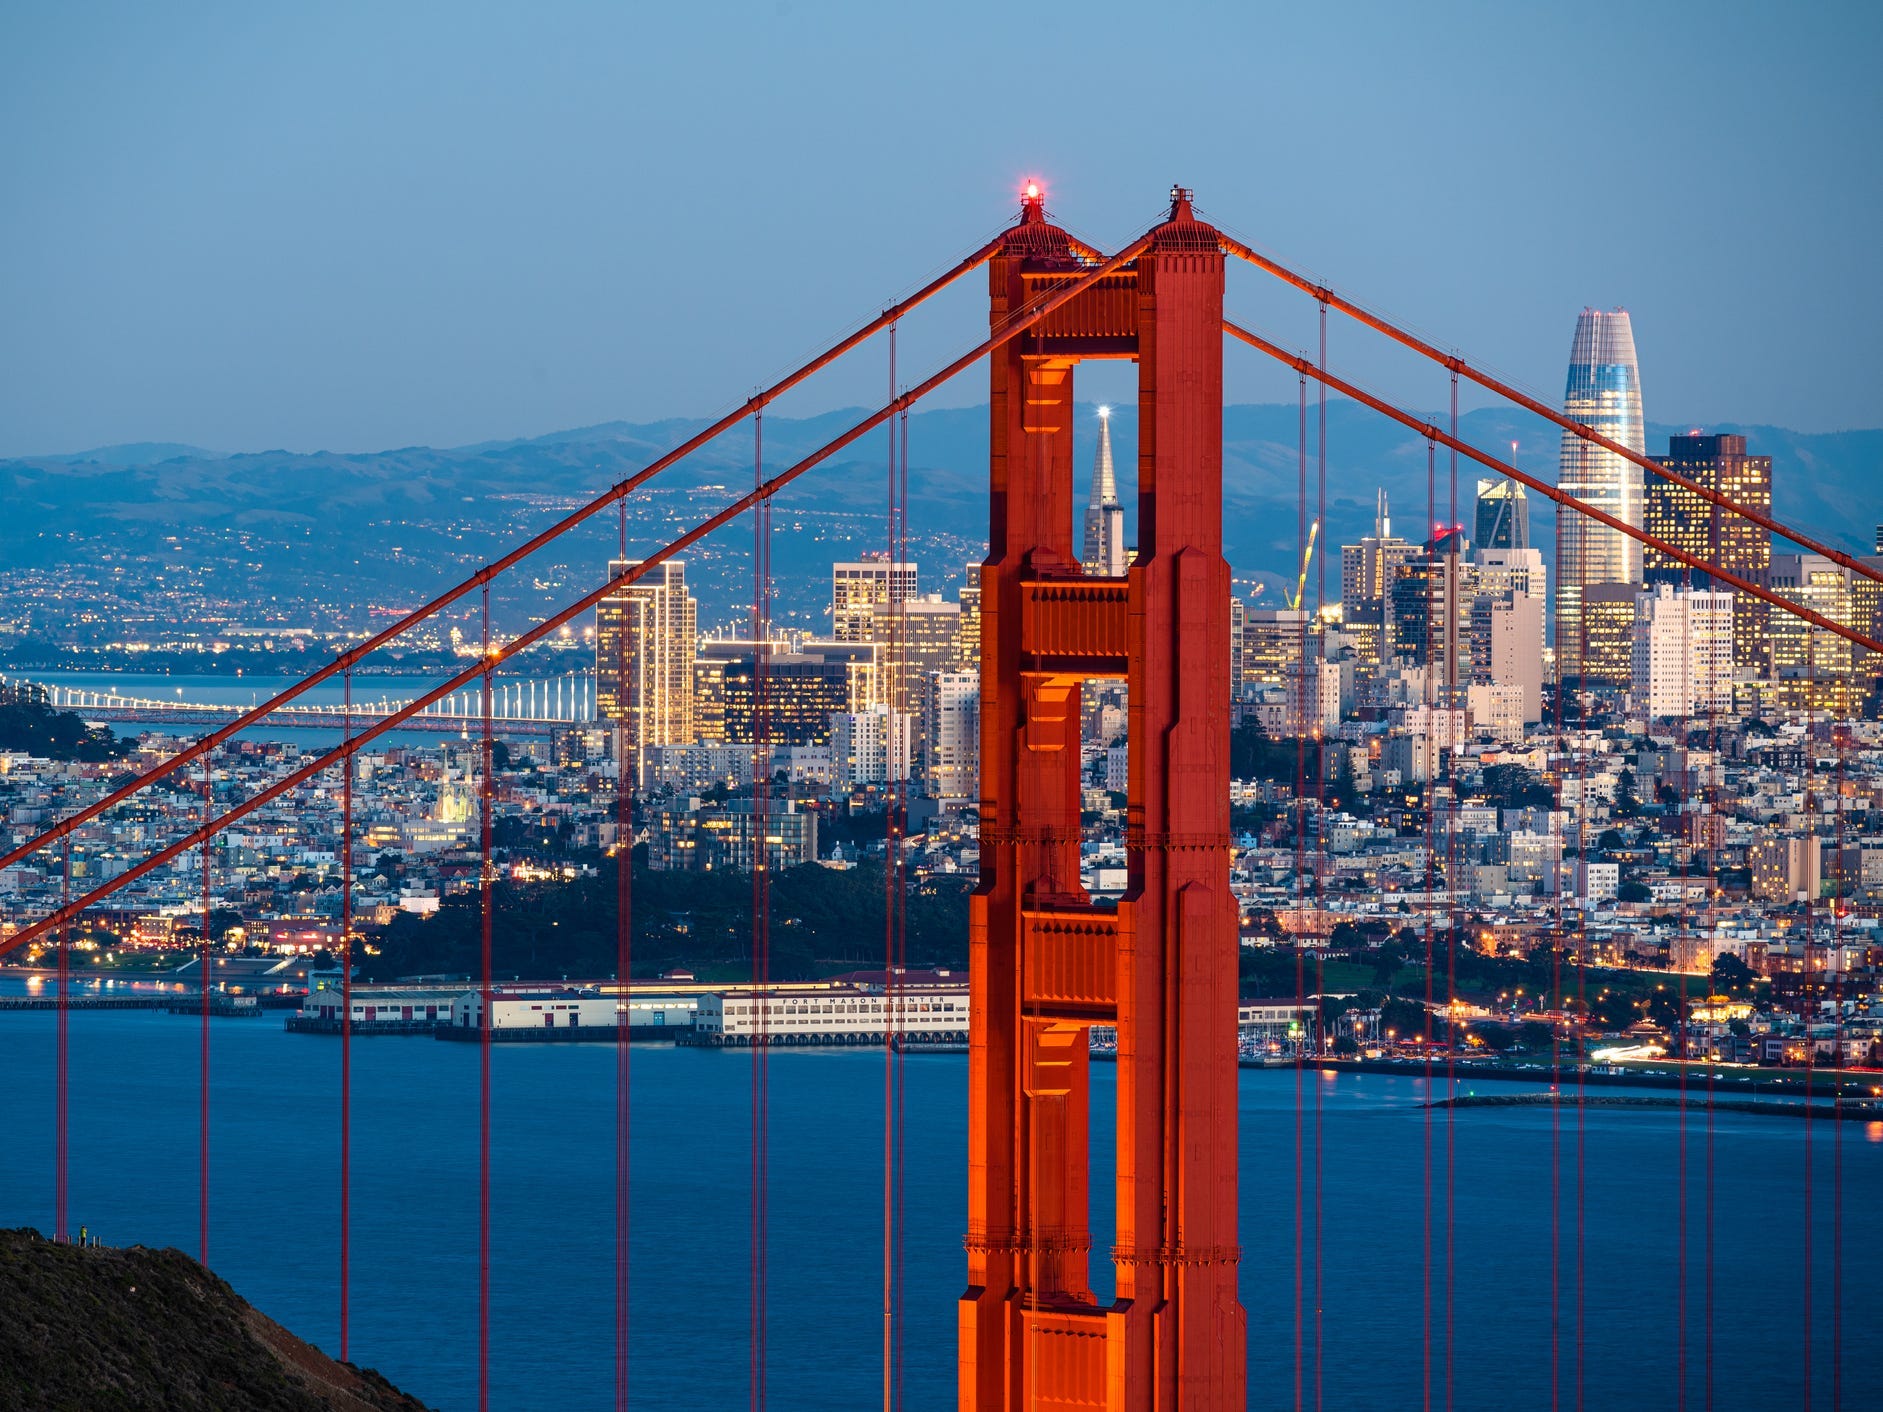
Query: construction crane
1301, 584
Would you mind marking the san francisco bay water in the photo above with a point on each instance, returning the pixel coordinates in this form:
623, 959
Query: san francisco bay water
275, 1126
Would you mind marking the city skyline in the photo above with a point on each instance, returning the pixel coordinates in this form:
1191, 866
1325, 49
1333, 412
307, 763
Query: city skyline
949, 855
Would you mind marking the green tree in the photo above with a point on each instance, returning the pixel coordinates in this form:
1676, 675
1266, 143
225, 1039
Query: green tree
1731, 975
1407, 1019
29, 723
1534, 1035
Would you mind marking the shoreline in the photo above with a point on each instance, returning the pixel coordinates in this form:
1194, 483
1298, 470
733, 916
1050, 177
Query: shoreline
1866, 1112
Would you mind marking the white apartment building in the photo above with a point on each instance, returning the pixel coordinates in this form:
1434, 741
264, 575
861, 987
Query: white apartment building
698, 766
1683, 652
951, 735
871, 747
1507, 646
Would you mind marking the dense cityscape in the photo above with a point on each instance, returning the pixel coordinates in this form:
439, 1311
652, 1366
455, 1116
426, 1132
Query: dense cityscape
1677, 799
956, 709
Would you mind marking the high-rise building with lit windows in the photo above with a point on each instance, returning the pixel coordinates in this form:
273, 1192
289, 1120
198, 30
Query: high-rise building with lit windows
1604, 393
859, 587
1811, 666
1367, 572
644, 642
1720, 538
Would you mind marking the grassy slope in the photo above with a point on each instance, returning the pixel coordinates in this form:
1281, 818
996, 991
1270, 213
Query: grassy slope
135, 1328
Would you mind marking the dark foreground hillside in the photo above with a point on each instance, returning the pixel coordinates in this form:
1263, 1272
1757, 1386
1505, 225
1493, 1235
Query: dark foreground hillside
107, 1328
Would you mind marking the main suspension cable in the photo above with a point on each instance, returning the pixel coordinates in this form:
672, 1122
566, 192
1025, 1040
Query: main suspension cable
1560, 497
1015, 326
482, 578
1459, 367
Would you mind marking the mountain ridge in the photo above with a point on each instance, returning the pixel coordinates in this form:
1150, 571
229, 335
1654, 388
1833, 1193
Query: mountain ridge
371, 503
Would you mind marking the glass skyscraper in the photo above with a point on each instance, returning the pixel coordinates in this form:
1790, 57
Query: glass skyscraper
1503, 516
1604, 392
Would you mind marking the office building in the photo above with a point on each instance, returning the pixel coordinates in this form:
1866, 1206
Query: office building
951, 737
859, 587
711, 659
1603, 392
644, 642
1605, 648
1103, 551
1503, 516
792, 700
1682, 662
1431, 606
1719, 538
1811, 667
793, 696
923, 635
1367, 571
1273, 640
1501, 571
1238, 643
968, 626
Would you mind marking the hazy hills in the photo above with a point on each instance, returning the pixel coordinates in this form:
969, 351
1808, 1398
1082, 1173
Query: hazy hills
339, 504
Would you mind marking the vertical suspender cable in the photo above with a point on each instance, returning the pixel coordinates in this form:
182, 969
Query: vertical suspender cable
901, 901
484, 1037
1556, 1055
1453, 450
1431, 699
346, 1026
1557, 1025
1839, 1063
1680, 1129
1320, 443
624, 973
1582, 997
889, 949
1298, 724
1810, 1046
60, 1226
1715, 772
1454, 606
761, 913
202, 1156
1320, 851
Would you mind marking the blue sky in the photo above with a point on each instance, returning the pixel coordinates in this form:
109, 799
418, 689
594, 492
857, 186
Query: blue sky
361, 226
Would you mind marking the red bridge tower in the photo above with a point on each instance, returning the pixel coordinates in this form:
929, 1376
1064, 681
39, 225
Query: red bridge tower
1046, 964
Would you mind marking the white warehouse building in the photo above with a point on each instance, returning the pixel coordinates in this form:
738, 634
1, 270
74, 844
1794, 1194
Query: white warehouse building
916, 1013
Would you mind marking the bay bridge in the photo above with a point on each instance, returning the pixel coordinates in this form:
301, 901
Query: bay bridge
1047, 965
531, 707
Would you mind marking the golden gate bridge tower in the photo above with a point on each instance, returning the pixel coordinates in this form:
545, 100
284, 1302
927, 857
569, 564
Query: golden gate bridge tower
1046, 964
